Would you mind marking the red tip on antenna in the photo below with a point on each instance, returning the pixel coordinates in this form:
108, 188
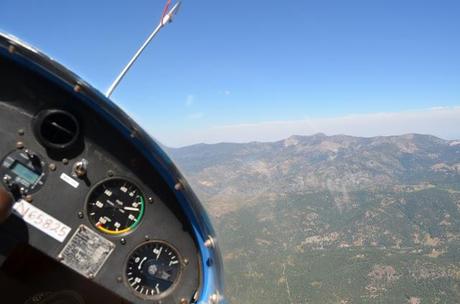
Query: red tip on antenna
165, 10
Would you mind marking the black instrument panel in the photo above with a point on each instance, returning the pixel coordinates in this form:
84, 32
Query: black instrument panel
67, 161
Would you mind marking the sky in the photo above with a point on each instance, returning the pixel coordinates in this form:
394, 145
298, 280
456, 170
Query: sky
240, 71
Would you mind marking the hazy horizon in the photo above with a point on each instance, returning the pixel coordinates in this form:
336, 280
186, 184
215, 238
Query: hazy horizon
441, 122
309, 135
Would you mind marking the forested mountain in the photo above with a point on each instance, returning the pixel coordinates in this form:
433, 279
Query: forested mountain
334, 219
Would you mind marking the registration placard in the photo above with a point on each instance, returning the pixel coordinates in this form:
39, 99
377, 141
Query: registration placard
86, 252
41, 220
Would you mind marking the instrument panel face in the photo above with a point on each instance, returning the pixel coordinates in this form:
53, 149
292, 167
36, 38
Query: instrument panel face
153, 269
115, 206
99, 181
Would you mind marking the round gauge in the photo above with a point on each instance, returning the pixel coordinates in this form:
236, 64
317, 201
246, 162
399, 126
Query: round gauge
153, 269
115, 206
23, 171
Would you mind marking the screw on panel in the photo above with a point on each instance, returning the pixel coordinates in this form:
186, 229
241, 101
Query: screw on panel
90, 276
133, 133
150, 199
178, 186
195, 296
186, 261
119, 279
19, 145
110, 173
183, 301
60, 257
52, 167
77, 88
209, 243
65, 161
80, 214
21, 132
147, 238
123, 241
214, 298
29, 198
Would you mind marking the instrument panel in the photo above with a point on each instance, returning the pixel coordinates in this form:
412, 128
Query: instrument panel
110, 199
89, 198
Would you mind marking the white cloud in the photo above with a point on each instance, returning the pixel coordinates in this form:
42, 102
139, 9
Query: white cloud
189, 100
441, 121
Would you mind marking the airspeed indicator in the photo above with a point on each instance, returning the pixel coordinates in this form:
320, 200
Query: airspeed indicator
115, 206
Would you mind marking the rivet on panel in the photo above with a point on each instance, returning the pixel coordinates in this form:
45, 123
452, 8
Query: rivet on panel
77, 88
178, 186
214, 298
209, 243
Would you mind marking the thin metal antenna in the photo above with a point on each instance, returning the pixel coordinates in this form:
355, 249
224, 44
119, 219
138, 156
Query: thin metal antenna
164, 20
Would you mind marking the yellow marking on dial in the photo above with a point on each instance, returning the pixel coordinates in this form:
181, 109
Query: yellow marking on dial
113, 232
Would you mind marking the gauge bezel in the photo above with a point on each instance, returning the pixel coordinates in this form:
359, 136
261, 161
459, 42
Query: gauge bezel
128, 230
40, 182
171, 289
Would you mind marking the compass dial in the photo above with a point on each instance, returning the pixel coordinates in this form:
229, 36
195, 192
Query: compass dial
115, 206
153, 269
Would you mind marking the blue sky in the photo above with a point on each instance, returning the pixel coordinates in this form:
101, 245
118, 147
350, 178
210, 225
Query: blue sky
228, 65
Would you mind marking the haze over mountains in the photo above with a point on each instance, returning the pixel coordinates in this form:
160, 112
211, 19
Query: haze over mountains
226, 171
334, 219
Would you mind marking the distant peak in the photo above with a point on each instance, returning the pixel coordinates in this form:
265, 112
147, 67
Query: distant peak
292, 140
316, 135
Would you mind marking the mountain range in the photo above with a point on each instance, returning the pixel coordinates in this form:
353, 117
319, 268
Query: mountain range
334, 219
